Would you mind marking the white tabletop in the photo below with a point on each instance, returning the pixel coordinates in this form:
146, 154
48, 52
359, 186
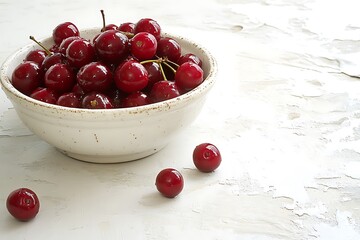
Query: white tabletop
285, 114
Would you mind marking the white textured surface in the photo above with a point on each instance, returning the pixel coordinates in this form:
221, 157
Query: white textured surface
285, 113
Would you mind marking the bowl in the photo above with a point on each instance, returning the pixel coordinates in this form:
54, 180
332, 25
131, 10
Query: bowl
109, 135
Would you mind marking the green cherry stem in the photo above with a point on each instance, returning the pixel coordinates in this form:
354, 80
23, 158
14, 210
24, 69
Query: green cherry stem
42, 46
169, 66
162, 71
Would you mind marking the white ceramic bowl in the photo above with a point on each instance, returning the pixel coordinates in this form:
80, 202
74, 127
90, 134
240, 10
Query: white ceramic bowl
111, 135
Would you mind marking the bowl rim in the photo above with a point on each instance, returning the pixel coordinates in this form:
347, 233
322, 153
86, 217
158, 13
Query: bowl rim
174, 103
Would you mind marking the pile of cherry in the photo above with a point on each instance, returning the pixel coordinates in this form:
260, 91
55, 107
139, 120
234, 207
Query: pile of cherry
123, 66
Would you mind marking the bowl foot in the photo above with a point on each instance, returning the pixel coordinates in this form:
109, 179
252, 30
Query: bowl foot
110, 158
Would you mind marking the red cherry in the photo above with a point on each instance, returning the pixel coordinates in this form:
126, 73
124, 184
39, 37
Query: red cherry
188, 76
50, 60
135, 99
131, 77
59, 78
23, 204
64, 30
163, 90
111, 46
127, 27
45, 95
148, 25
36, 56
169, 48
190, 57
26, 77
69, 100
169, 182
206, 157
143, 46
65, 43
154, 73
95, 76
96, 100
80, 52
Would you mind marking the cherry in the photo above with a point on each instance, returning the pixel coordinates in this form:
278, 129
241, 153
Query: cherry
169, 182
154, 73
64, 30
169, 48
111, 46
206, 157
190, 57
143, 46
131, 77
148, 25
96, 100
80, 52
116, 96
59, 78
45, 95
70, 99
135, 99
127, 27
163, 90
23, 204
26, 77
51, 60
78, 90
188, 76
36, 56
65, 43
95, 76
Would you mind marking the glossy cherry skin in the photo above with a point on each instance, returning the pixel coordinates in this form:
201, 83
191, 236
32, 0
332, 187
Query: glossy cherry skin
188, 76
64, 30
36, 56
50, 60
135, 99
59, 78
23, 204
70, 99
143, 46
26, 77
65, 43
206, 157
111, 46
131, 77
148, 25
154, 73
163, 90
95, 76
45, 95
80, 52
190, 57
169, 48
127, 27
169, 182
96, 100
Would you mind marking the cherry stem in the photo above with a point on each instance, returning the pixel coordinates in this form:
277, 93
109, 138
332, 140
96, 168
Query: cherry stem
42, 46
103, 19
173, 63
169, 66
162, 72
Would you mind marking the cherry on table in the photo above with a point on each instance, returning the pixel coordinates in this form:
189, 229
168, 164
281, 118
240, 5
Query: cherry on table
206, 157
23, 204
169, 182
